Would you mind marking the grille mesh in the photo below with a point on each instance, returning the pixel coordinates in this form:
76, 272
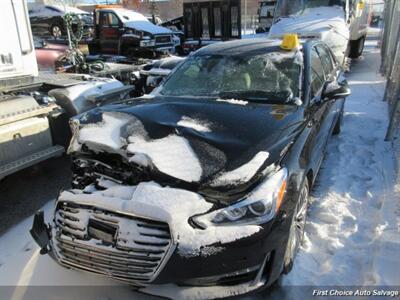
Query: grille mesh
134, 256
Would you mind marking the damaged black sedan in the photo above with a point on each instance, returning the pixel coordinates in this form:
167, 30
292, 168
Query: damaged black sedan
201, 186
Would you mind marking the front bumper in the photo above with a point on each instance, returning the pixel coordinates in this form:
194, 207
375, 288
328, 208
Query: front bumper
252, 261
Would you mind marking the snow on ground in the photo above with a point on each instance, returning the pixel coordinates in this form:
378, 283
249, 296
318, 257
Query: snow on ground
351, 234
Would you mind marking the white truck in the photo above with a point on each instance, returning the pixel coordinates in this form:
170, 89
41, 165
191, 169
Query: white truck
342, 24
34, 110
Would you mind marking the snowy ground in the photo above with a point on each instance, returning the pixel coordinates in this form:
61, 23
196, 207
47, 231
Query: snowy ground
352, 234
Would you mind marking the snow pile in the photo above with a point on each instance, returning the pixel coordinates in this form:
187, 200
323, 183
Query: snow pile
244, 173
172, 155
197, 125
171, 205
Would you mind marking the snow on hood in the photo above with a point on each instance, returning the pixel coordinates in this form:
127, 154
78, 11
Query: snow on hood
317, 19
138, 21
125, 134
170, 205
243, 173
172, 155
147, 27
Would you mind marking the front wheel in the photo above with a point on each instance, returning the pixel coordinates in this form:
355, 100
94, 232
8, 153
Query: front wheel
296, 233
357, 47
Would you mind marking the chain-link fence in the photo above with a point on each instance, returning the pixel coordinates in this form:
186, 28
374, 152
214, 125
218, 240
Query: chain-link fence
390, 66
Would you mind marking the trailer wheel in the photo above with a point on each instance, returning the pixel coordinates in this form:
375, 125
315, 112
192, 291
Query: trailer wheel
357, 47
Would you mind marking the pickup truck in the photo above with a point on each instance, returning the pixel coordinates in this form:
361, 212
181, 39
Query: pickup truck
125, 32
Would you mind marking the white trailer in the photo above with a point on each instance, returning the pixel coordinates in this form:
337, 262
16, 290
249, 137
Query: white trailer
34, 110
342, 24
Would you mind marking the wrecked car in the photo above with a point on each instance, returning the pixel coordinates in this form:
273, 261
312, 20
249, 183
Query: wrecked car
203, 184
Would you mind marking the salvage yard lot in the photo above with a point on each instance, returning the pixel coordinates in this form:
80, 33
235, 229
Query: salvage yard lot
351, 234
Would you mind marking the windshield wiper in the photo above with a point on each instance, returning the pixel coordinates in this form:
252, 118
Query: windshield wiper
258, 96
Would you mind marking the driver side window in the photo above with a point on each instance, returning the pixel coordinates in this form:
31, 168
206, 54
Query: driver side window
317, 73
109, 20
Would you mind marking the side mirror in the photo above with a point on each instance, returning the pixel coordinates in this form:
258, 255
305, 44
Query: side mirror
333, 90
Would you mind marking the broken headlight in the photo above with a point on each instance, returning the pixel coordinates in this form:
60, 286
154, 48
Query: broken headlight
259, 207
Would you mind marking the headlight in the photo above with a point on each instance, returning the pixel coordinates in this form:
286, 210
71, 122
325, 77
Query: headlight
259, 207
147, 43
128, 31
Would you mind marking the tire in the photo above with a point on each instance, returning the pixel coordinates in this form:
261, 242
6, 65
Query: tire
357, 47
296, 233
56, 31
338, 126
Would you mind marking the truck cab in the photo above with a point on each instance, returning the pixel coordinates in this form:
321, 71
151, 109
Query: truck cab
125, 32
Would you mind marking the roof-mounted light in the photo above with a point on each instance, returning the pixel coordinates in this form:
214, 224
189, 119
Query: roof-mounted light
290, 42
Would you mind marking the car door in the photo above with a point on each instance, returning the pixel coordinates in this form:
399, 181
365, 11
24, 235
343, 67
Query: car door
331, 75
109, 34
317, 110
336, 76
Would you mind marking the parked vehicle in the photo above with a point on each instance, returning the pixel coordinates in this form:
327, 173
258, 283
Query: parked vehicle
35, 108
265, 15
154, 72
342, 24
47, 20
48, 54
206, 180
125, 32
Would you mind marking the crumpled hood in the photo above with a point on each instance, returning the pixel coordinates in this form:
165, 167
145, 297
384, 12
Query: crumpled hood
147, 27
204, 141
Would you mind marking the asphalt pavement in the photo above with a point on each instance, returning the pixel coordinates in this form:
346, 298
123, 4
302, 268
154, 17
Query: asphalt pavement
23, 193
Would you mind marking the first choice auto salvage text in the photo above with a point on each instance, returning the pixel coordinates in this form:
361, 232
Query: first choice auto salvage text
356, 292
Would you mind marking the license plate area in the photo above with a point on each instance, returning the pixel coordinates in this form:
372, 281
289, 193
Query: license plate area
105, 232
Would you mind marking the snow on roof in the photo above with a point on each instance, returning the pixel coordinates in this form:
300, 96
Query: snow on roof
244, 173
310, 20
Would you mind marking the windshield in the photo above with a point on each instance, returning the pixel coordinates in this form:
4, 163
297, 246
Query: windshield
286, 8
272, 77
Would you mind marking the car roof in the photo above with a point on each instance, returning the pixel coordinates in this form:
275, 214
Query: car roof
251, 46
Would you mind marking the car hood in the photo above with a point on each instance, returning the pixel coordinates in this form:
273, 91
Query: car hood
211, 144
147, 27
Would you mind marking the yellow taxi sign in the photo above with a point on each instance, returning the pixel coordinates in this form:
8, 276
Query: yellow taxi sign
361, 5
290, 41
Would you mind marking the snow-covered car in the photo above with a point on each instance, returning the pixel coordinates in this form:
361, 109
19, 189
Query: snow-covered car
340, 24
126, 32
204, 182
154, 72
48, 20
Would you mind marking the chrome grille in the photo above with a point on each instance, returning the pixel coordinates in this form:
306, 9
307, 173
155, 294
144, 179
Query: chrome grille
135, 254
